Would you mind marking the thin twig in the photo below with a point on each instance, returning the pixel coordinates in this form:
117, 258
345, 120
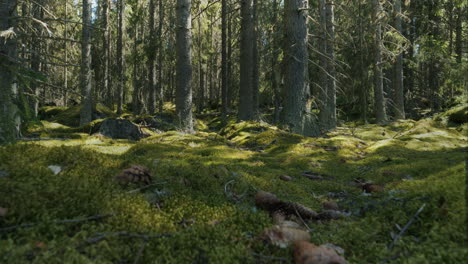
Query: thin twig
300, 217
406, 227
146, 187
67, 221
269, 257
140, 252
102, 236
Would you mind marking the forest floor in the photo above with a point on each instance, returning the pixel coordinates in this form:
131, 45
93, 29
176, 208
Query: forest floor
201, 206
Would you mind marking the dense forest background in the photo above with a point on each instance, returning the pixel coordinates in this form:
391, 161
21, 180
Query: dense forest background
372, 61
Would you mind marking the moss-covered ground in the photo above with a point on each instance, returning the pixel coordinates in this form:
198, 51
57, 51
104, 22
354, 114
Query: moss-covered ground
202, 209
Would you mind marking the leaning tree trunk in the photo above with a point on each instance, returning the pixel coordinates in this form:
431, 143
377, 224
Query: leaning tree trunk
85, 77
9, 118
245, 111
380, 112
184, 66
296, 61
399, 99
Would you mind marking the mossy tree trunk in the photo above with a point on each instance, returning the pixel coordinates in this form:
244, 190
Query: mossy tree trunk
9, 117
184, 66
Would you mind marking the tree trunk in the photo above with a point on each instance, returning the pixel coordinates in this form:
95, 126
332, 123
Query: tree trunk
151, 60
86, 86
296, 62
65, 69
224, 73
255, 63
245, 111
35, 57
9, 118
331, 78
399, 99
459, 37
201, 72
106, 87
323, 61
380, 112
275, 71
160, 92
136, 106
120, 58
230, 91
184, 66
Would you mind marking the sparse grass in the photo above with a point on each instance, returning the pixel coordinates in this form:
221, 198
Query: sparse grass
419, 162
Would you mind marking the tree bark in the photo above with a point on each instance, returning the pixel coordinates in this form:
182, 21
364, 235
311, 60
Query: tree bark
152, 60
36, 58
256, 63
120, 58
275, 71
296, 67
230, 91
331, 77
136, 106
398, 99
86, 86
184, 66
106, 53
224, 74
459, 33
160, 91
9, 118
323, 61
380, 112
245, 111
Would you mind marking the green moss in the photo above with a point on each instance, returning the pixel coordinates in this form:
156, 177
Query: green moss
418, 162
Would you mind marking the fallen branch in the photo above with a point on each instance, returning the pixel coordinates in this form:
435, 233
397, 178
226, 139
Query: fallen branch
406, 227
67, 221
